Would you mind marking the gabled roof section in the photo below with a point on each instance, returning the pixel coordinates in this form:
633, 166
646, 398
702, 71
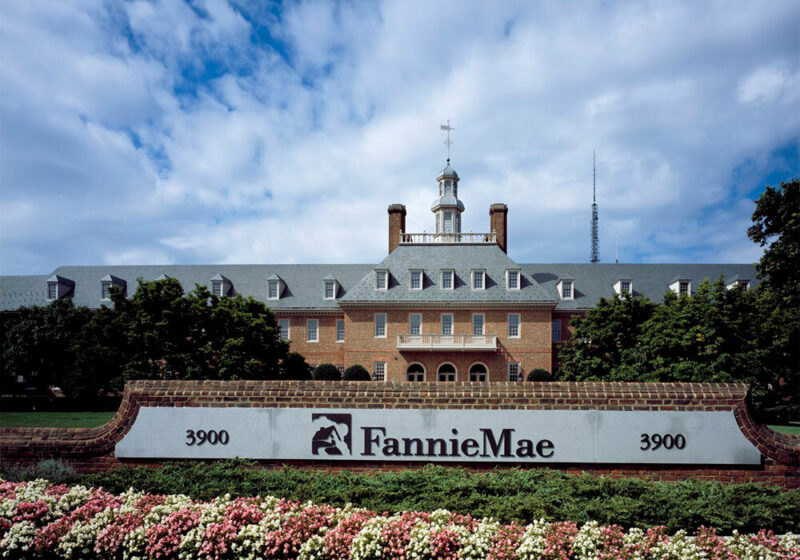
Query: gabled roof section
431, 259
60, 280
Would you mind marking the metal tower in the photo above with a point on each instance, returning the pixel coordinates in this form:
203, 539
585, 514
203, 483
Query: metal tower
595, 240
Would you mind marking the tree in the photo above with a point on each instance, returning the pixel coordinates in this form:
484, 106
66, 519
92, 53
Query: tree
294, 367
776, 226
356, 372
327, 372
605, 340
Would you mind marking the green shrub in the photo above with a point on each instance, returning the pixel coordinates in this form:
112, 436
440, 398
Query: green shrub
327, 372
540, 374
356, 372
506, 495
294, 367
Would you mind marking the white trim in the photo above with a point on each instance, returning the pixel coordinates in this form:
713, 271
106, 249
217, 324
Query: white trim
375, 325
563, 283
339, 340
455, 372
51, 286
105, 290
452, 274
478, 273
411, 274
483, 323
308, 330
518, 374
375, 371
288, 328
334, 289
452, 324
618, 286
519, 325
518, 274
676, 286
410, 330
424, 371
469, 372
278, 290
385, 284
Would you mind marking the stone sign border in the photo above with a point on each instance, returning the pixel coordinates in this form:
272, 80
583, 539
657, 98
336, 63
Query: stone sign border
92, 449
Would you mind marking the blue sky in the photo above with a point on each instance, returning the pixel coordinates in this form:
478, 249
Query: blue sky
254, 132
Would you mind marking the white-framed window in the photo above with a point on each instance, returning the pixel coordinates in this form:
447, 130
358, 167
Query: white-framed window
566, 289
415, 372
52, 290
447, 373
446, 321
381, 279
513, 325
556, 330
684, 288
448, 222
216, 288
478, 324
380, 325
273, 289
284, 325
415, 280
415, 323
625, 287
478, 279
330, 289
312, 330
478, 372
105, 290
512, 279
339, 330
448, 279
514, 371
379, 371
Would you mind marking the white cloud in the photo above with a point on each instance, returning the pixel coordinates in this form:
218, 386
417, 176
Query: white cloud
218, 133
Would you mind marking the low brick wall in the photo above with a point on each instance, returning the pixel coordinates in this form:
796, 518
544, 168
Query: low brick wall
92, 449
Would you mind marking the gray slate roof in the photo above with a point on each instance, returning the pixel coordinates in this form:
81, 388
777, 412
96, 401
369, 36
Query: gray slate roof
304, 283
461, 258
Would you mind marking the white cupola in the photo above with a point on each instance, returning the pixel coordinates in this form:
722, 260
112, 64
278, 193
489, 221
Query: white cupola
447, 208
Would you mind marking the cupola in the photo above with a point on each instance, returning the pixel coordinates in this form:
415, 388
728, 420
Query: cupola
447, 207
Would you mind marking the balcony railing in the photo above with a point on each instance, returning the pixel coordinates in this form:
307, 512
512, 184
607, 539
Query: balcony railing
430, 238
441, 342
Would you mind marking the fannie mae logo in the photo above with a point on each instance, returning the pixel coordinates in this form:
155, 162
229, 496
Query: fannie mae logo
333, 435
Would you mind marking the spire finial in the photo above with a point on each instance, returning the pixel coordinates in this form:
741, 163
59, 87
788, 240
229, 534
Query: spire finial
449, 142
595, 256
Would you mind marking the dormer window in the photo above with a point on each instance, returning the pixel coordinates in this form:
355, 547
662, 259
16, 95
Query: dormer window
331, 287
220, 286
274, 286
105, 286
512, 279
566, 288
623, 286
681, 286
381, 279
415, 282
478, 279
735, 282
448, 279
58, 287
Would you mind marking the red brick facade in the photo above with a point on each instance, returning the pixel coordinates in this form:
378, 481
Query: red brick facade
93, 449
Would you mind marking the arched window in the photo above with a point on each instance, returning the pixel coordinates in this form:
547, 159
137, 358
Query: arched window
447, 372
415, 372
478, 372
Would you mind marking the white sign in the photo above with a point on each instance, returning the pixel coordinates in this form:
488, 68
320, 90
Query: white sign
433, 435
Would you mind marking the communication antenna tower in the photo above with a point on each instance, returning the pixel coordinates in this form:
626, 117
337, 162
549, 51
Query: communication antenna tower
595, 239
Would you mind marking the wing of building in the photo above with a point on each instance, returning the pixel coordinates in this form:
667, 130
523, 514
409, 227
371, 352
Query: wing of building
443, 306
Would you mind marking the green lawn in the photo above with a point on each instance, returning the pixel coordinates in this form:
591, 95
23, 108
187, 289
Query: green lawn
787, 429
54, 419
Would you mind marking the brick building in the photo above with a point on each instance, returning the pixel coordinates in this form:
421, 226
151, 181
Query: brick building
443, 306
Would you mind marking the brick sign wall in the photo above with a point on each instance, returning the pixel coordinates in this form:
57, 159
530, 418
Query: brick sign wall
94, 449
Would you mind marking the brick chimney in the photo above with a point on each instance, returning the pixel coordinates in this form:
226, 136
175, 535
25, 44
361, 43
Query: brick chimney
397, 224
498, 222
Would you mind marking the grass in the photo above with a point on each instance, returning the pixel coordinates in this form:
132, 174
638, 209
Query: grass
786, 429
54, 419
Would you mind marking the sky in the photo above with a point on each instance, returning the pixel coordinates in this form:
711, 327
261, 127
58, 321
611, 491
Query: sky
212, 131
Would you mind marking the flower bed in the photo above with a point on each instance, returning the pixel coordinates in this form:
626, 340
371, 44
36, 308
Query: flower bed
39, 520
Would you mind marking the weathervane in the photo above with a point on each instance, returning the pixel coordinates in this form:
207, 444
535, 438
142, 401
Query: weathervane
449, 142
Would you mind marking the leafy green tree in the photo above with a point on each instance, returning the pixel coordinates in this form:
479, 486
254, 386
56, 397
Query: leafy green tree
776, 226
605, 342
294, 367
